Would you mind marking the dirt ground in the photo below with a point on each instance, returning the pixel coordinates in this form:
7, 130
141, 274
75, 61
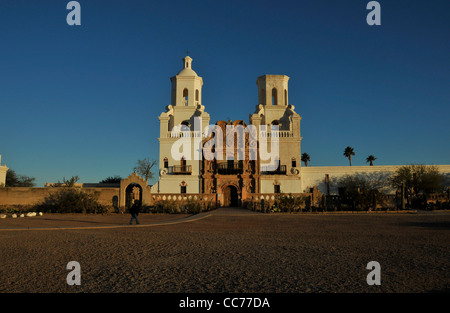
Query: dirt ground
226, 251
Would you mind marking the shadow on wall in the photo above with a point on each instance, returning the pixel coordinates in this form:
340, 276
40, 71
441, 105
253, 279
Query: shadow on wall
378, 181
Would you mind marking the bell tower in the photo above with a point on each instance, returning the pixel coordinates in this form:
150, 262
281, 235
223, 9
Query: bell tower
186, 100
281, 122
181, 134
273, 90
273, 108
186, 86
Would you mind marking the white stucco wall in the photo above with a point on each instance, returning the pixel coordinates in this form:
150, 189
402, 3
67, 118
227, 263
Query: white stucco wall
315, 175
287, 184
172, 184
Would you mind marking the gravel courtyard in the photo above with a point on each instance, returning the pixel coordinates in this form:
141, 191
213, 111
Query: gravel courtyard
227, 251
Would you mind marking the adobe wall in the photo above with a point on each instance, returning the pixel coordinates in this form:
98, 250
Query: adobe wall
35, 195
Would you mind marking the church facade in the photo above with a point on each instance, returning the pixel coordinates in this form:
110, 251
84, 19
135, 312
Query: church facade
262, 156
235, 161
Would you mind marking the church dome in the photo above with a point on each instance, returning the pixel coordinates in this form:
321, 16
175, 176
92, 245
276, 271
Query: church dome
187, 72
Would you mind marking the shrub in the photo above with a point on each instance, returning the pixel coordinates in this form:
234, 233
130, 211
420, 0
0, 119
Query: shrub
289, 203
71, 200
164, 206
16, 209
193, 207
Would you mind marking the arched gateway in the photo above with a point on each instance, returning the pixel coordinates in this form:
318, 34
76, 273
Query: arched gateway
132, 188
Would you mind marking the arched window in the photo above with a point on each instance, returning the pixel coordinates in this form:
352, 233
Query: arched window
185, 96
185, 123
166, 163
183, 187
275, 125
274, 96
285, 97
294, 162
197, 95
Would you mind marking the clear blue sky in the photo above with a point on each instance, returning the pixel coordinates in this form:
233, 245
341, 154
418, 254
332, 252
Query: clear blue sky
85, 100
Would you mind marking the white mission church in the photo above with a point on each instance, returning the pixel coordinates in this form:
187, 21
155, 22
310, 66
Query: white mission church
227, 175
261, 157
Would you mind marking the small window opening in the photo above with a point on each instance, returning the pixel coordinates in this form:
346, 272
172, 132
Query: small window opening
276, 189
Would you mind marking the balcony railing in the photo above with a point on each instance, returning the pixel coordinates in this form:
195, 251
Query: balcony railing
277, 134
281, 170
188, 134
228, 168
182, 169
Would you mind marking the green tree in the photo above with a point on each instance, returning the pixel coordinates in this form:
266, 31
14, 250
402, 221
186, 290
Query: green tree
370, 159
111, 180
306, 158
348, 152
67, 183
14, 180
364, 190
144, 168
71, 200
418, 178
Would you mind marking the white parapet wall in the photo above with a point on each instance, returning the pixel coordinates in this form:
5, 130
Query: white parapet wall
315, 175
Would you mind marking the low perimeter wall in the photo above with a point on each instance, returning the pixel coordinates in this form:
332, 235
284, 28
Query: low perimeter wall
35, 195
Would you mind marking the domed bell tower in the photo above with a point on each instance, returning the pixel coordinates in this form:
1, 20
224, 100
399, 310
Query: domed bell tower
179, 153
186, 86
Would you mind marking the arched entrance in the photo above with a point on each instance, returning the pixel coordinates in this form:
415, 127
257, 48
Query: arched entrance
230, 196
133, 192
134, 188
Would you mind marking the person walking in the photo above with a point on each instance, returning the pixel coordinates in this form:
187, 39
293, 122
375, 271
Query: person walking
134, 210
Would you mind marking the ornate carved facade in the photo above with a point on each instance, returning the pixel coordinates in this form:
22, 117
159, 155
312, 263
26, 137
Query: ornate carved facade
231, 172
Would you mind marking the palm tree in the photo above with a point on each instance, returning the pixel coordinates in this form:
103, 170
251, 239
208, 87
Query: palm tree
348, 152
306, 158
370, 159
